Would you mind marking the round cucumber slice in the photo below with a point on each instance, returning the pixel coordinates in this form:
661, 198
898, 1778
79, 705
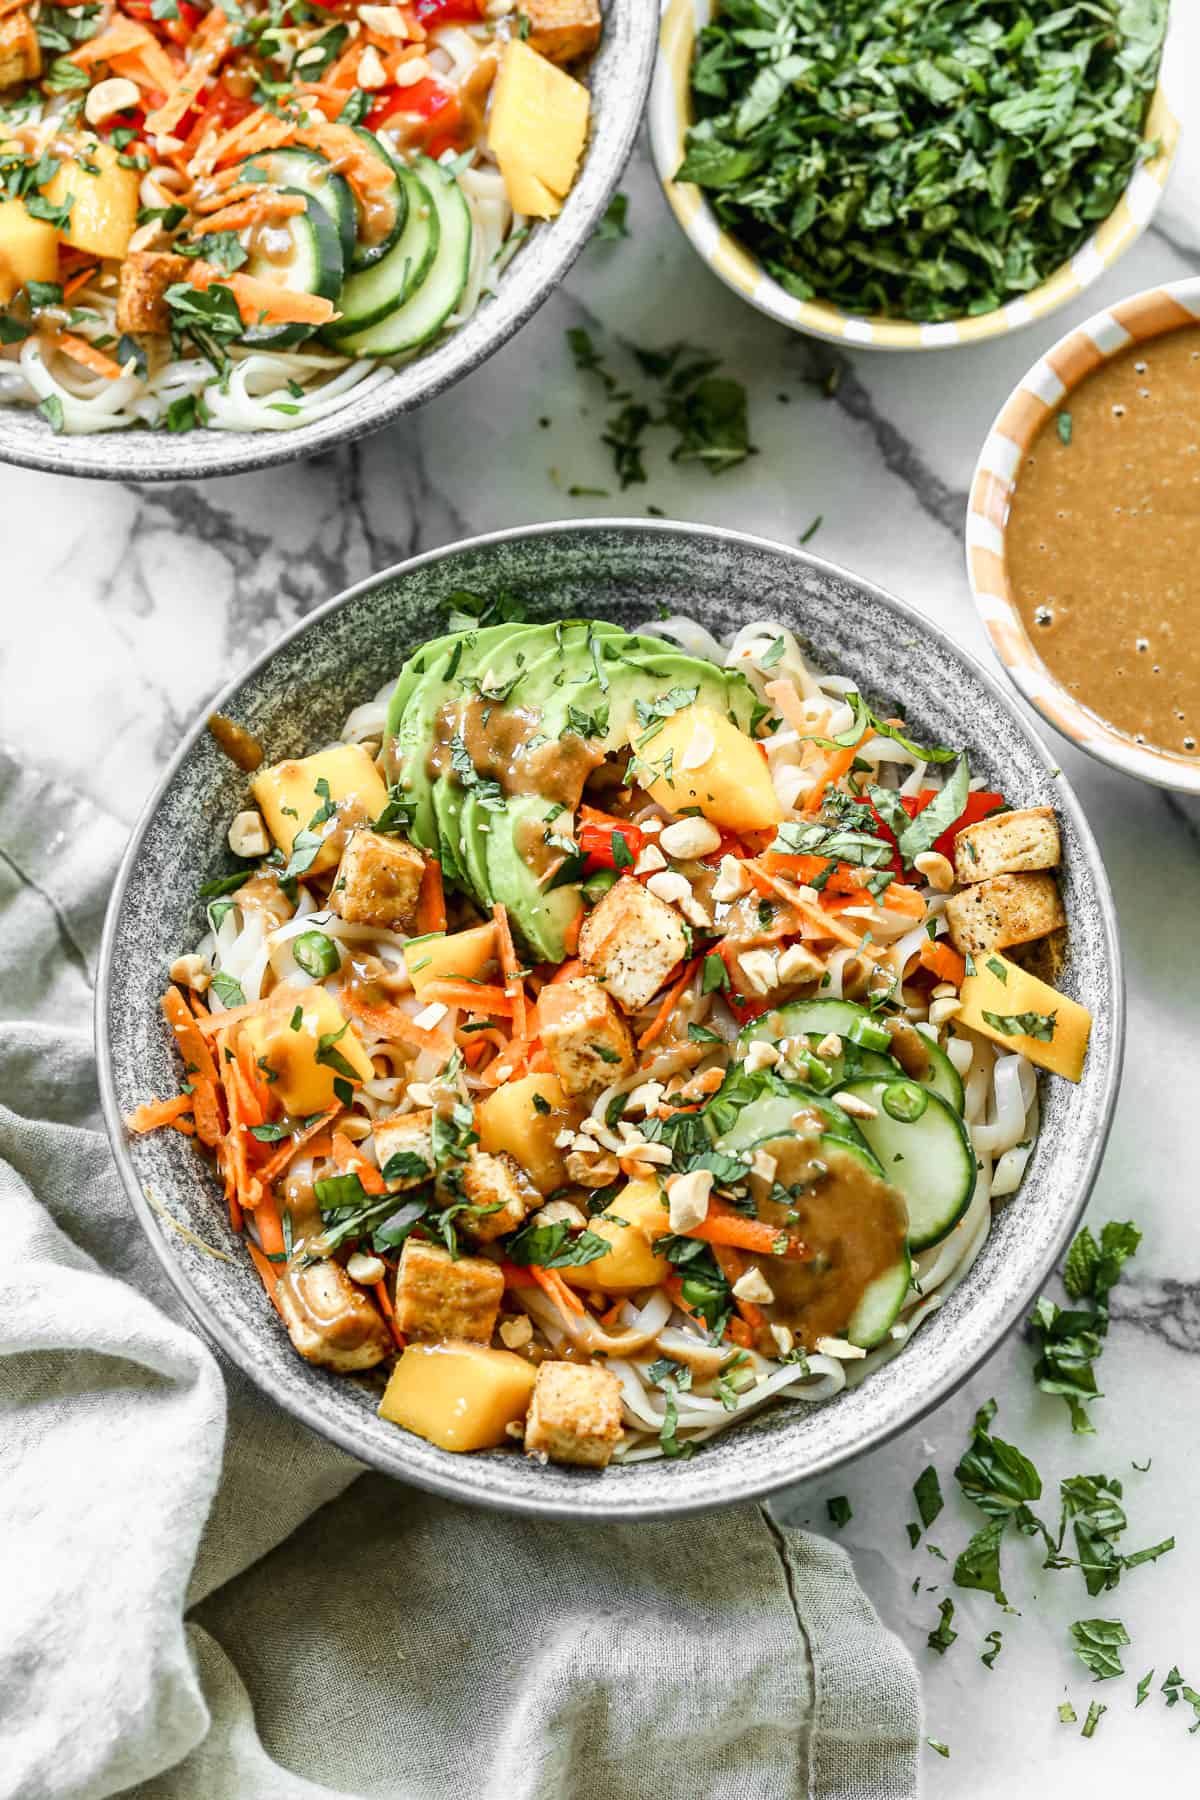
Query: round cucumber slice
425, 305
816, 1019
771, 1115
313, 265
929, 1158
394, 197
880, 1304
312, 174
371, 293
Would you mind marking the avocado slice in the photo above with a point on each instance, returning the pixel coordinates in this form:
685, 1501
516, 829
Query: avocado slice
540, 915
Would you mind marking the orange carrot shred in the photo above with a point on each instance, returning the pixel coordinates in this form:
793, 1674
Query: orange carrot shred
431, 900
659, 1022
943, 961
267, 1274
152, 1114
553, 1285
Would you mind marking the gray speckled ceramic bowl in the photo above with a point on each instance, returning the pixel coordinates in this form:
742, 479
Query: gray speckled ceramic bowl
296, 697
619, 78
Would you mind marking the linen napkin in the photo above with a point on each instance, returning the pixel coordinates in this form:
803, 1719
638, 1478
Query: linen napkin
199, 1600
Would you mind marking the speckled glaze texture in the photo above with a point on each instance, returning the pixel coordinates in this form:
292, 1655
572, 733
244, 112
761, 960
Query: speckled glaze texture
618, 77
296, 698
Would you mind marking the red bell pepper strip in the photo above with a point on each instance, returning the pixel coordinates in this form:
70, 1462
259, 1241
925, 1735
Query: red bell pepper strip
979, 806
595, 836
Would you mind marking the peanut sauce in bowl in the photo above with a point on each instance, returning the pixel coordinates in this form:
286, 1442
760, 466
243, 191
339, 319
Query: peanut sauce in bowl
1083, 536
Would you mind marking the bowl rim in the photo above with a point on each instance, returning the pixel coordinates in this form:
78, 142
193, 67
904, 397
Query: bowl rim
733, 264
1141, 317
159, 456
594, 1502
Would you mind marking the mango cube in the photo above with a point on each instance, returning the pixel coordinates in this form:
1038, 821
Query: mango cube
286, 1040
700, 758
460, 956
104, 206
509, 1120
287, 794
28, 250
458, 1395
631, 1263
538, 129
1001, 988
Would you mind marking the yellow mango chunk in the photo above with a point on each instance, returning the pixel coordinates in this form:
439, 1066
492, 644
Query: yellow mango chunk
729, 782
103, 206
302, 1084
28, 250
462, 956
537, 130
458, 1395
509, 1120
631, 1263
287, 794
1014, 991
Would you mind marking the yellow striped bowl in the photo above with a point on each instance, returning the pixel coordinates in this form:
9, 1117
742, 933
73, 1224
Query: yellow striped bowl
1042, 392
669, 116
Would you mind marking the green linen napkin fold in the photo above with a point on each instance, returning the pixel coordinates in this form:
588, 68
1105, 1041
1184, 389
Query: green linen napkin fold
199, 1600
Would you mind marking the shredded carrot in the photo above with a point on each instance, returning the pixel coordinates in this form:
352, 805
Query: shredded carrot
264, 300
740, 1331
514, 985
732, 1265
552, 1284
905, 900
270, 1225
80, 280
197, 1057
484, 997
262, 206
148, 66
272, 1170
836, 766
247, 1188
659, 1022
121, 36
364, 171
233, 139
431, 900
212, 1023
566, 971
7, 6
517, 1276
391, 1022
152, 1114
80, 351
613, 1315
571, 933
379, 1289
747, 1234
943, 961
350, 1160
267, 1274
211, 43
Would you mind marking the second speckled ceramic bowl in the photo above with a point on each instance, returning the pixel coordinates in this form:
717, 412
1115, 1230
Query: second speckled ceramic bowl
295, 697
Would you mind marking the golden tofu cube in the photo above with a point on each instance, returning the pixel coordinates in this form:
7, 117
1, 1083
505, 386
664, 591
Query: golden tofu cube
379, 881
575, 1416
538, 129
439, 1296
631, 942
460, 956
563, 30
628, 1224
287, 795
458, 1395
588, 1042
1005, 992
700, 758
1009, 843
28, 250
20, 52
523, 1118
141, 289
104, 205
329, 1320
302, 1025
408, 1137
501, 1185
1008, 909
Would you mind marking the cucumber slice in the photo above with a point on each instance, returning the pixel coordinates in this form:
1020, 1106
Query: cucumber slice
424, 306
308, 172
372, 293
879, 1305
929, 1156
815, 1019
311, 265
771, 1117
390, 201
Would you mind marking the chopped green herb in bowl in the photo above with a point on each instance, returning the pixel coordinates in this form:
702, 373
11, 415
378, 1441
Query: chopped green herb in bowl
908, 176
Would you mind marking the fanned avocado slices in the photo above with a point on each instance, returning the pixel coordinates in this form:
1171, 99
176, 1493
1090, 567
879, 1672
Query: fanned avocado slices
472, 730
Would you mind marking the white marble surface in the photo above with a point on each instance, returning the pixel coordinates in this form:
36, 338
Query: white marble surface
124, 608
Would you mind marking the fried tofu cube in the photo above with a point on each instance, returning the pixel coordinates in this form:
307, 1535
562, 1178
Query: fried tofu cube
575, 1416
438, 1296
142, 285
329, 1320
631, 942
20, 52
588, 1042
1008, 909
405, 1148
1010, 843
499, 1183
378, 881
563, 30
